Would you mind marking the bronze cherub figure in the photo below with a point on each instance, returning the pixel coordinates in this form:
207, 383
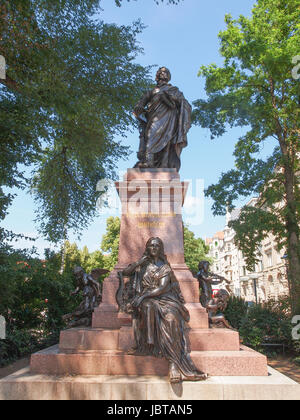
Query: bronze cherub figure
206, 280
216, 308
89, 286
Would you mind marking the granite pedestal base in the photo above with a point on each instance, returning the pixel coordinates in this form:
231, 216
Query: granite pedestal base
25, 385
151, 206
52, 361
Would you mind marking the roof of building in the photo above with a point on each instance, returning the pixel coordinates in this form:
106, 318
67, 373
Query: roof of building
218, 235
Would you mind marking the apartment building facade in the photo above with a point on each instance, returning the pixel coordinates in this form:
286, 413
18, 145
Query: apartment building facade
267, 281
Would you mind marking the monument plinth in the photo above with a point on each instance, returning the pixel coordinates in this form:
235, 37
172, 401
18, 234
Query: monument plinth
151, 200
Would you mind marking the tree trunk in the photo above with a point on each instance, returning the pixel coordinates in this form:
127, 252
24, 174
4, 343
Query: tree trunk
63, 258
293, 244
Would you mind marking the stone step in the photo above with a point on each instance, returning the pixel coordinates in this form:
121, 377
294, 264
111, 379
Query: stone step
79, 339
245, 362
24, 385
107, 316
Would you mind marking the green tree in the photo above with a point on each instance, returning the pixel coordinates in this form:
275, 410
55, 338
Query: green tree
84, 256
195, 250
70, 87
34, 295
110, 242
71, 84
255, 89
72, 256
96, 260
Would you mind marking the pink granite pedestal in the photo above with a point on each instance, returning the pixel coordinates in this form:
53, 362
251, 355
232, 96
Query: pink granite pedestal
151, 206
152, 203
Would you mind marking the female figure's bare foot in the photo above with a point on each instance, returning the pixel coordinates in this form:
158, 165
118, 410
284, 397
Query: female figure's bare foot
133, 352
174, 374
196, 377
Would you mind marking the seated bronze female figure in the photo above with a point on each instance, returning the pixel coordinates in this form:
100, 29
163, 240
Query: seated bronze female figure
154, 299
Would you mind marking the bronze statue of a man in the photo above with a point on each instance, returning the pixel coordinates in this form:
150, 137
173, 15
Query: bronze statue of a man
165, 119
159, 316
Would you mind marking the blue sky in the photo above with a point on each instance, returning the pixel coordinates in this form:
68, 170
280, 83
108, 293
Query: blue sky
183, 38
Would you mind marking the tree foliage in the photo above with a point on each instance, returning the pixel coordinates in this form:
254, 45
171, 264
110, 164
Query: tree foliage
66, 103
255, 88
195, 250
110, 242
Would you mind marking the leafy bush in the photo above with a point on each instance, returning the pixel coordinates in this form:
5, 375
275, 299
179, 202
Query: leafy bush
21, 343
8, 352
34, 296
276, 327
251, 335
296, 347
263, 323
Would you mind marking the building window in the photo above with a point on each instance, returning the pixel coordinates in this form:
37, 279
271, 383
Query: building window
282, 289
271, 287
269, 258
262, 294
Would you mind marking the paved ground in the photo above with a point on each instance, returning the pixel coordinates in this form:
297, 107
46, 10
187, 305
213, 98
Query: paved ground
286, 366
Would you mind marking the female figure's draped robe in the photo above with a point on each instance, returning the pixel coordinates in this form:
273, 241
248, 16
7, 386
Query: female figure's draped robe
159, 322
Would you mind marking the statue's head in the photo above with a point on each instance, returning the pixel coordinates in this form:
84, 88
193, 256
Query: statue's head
204, 265
155, 248
163, 75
